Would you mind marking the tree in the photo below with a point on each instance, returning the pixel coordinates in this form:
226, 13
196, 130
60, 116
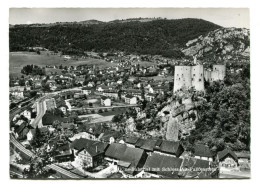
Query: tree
36, 171
38, 138
56, 123
117, 118
224, 119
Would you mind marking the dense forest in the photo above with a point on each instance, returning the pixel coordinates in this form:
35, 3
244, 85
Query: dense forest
158, 37
224, 119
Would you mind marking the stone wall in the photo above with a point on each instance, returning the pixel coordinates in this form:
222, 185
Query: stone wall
218, 73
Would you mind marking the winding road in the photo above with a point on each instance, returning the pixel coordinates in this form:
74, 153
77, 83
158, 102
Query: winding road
40, 112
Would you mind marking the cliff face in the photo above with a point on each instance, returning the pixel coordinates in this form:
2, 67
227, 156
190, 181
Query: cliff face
225, 43
181, 118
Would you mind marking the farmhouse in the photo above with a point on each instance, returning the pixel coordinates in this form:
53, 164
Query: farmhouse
203, 152
162, 166
63, 153
88, 153
170, 148
128, 159
227, 159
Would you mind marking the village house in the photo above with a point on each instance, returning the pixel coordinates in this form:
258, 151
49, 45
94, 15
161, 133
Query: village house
243, 157
128, 159
87, 90
162, 166
91, 84
21, 129
27, 114
79, 80
92, 131
203, 152
150, 97
89, 153
170, 148
159, 146
67, 94
131, 100
101, 88
18, 93
61, 104
64, 153
83, 135
131, 141
105, 101
227, 159
110, 136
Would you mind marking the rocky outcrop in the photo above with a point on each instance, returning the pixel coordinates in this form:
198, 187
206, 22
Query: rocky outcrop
224, 42
172, 132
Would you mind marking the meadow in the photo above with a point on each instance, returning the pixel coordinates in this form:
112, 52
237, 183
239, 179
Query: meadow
17, 60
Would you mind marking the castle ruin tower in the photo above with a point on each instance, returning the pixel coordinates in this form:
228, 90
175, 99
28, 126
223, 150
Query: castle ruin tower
182, 78
197, 79
219, 72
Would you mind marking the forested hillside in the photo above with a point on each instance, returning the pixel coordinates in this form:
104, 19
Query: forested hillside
224, 119
162, 37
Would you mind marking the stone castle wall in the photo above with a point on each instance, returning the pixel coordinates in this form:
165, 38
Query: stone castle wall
218, 73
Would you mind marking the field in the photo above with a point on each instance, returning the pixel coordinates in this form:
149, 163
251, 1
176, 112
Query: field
17, 60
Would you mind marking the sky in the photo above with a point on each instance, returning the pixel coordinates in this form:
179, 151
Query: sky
226, 17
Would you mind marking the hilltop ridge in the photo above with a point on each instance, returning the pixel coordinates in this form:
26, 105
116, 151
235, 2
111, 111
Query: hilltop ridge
155, 37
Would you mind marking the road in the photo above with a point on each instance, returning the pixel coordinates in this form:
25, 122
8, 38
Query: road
40, 112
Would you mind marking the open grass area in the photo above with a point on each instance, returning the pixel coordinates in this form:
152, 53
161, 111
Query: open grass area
17, 60
146, 63
116, 112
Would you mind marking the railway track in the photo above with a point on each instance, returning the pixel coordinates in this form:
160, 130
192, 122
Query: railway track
54, 167
64, 172
21, 148
16, 144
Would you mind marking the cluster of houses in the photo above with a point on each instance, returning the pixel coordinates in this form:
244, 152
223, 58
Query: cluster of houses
136, 157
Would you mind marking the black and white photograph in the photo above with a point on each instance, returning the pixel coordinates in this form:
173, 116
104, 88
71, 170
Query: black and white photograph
129, 93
